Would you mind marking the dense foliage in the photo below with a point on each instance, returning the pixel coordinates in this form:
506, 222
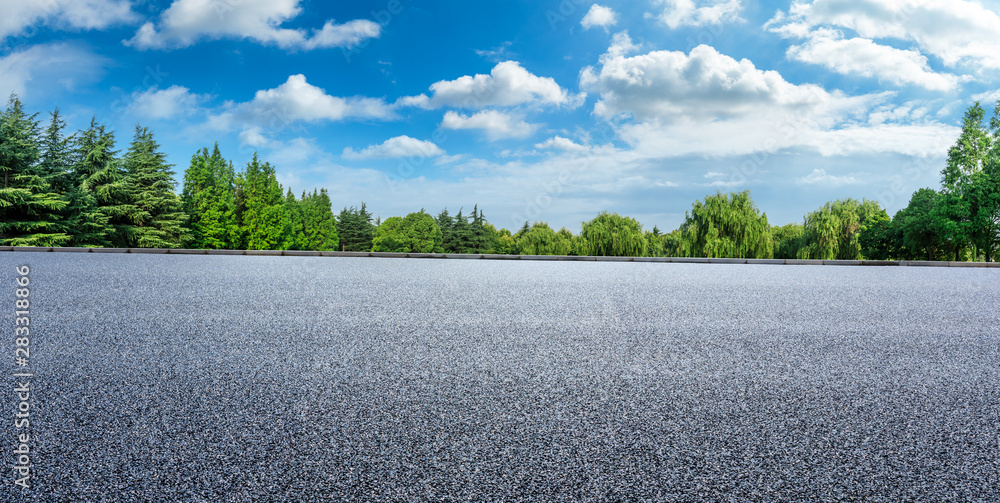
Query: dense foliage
59, 189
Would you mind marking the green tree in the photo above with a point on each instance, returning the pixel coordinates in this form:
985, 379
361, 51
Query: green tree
917, 225
260, 205
416, 233
540, 239
727, 226
30, 211
610, 234
355, 229
101, 175
833, 232
86, 226
505, 244
787, 240
160, 221
319, 224
972, 177
208, 200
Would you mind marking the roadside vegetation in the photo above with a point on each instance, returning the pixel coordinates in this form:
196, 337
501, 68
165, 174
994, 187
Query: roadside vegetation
80, 189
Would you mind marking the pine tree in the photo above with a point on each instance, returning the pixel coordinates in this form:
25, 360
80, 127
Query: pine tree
99, 173
447, 225
30, 209
462, 234
209, 201
260, 206
355, 229
159, 219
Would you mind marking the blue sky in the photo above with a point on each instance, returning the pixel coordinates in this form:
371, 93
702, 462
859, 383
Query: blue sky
535, 110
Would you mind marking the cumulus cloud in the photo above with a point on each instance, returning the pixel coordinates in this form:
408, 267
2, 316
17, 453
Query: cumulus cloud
961, 33
292, 102
707, 103
599, 15
861, 56
508, 84
820, 177
19, 15
400, 146
158, 104
186, 22
678, 13
671, 85
496, 125
48, 65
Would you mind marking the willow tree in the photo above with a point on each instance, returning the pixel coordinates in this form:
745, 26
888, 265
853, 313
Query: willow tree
727, 226
540, 239
833, 232
612, 235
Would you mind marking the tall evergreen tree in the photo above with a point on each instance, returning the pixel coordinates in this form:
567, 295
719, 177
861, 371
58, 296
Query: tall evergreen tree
355, 229
320, 225
295, 225
100, 174
159, 220
29, 207
209, 201
260, 205
447, 225
81, 219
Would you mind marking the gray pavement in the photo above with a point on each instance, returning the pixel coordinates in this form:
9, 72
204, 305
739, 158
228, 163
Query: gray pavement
256, 378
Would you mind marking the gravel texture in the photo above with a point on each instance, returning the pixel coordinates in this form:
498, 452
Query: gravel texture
253, 378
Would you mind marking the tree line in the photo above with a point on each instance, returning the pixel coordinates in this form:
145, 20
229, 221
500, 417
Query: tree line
78, 190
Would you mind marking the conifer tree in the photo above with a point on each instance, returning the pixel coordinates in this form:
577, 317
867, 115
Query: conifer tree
30, 209
158, 216
260, 206
99, 173
295, 226
209, 201
320, 226
355, 229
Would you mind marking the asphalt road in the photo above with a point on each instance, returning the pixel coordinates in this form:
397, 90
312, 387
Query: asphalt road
217, 379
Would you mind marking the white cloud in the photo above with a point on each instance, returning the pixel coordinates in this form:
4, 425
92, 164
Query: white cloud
186, 22
599, 15
254, 137
508, 84
19, 15
820, 177
961, 33
708, 104
297, 99
155, 104
45, 66
496, 125
698, 12
860, 56
400, 146
292, 102
988, 97
669, 85
560, 143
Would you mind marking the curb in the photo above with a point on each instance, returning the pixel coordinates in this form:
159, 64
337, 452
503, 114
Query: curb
490, 256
